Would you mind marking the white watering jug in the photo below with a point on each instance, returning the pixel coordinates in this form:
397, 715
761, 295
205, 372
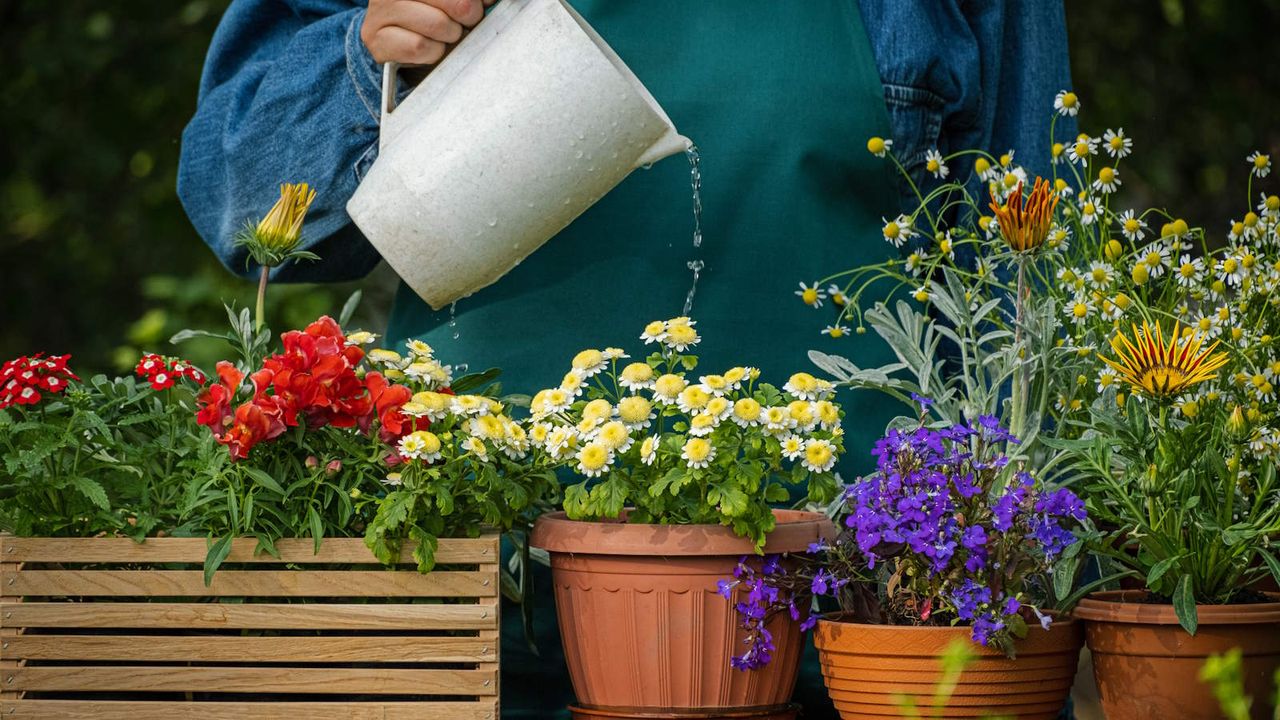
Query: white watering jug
530, 120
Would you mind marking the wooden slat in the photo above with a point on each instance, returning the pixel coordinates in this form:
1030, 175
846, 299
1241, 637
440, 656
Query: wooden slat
247, 583
263, 616
363, 681
206, 648
132, 710
7, 633
193, 550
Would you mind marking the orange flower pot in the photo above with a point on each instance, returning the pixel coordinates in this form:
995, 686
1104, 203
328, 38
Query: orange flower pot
1147, 666
645, 632
869, 669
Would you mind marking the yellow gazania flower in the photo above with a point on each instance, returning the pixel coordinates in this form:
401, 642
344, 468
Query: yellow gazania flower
1159, 368
1024, 223
277, 235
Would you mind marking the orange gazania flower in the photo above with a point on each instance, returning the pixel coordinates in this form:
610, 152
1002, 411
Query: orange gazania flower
1024, 224
1159, 368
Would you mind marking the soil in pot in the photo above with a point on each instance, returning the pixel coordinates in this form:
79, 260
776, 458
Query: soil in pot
645, 632
870, 668
1147, 666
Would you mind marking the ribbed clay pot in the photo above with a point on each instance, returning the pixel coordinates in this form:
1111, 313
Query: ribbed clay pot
869, 668
1147, 666
645, 632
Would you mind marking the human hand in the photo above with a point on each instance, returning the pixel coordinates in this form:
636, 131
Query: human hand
417, 32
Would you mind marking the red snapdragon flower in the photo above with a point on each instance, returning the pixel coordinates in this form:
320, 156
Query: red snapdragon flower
316, 376
22, 379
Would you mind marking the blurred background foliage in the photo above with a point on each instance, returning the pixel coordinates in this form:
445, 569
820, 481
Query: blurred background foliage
98, 259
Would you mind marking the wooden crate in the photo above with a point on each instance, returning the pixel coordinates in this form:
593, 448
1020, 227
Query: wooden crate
108, 628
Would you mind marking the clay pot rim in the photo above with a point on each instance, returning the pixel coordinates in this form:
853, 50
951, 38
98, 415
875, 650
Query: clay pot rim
1060, 620
1120, 606
555, 532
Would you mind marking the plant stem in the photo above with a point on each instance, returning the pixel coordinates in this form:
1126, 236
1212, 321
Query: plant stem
260, 315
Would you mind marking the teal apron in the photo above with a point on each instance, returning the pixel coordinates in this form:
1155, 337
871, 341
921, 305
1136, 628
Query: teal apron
780, 100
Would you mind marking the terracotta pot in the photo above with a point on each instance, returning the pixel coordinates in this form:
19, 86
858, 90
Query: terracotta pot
1147, 666
645, 632
869, 668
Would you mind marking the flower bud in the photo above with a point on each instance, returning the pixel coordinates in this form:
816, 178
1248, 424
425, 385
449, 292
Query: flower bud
1236, 423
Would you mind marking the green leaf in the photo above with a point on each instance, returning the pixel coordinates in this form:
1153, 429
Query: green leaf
317, 527
92, 490
1064, 577
1159, 569
425, 549
474, 381
1184, 605
218, 551
264, 479
349, 308
1272, 564
776, 494
184, 335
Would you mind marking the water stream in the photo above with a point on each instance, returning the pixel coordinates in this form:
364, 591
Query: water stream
695, 182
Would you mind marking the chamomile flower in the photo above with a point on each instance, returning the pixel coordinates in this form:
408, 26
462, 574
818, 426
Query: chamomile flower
1066, 103
420, 445
746, 412
702, 424
878, 146
420, 349
613, 353
636, 376
715, 384
1116, 143
693, 399
934, 164
560, 442
1155, 258
777, 419
802, 385
838, 298
792, 447
1108, 180
360, 337
1100, 275
1059, 238
488, 427
735, 375
476, 446
615, 436
655, 331
594, 459
1106, 379
915, 262
1230, 271
1133, 227
393, 479
538, 433
469, 405
1261, 164
819, 455
828, 414
589, 362
897, 231
1090, 210
719, 406
668, 387
1079, 309
921, 294
802, 414
556, 400
811, 296
386, 358
596, 412
1082, 149
681, 337
698, 452
835, 331
1190, 271
984, 170
635, 411
649, 450
573, 383
1057, 153
946, 246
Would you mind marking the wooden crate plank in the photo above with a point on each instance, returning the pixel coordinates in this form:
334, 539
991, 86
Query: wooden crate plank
217, 648
131, 710
247, 583
364, 681
262, 616
193, 550
8, 634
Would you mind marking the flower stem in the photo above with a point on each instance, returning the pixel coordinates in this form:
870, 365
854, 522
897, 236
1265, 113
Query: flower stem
260, 315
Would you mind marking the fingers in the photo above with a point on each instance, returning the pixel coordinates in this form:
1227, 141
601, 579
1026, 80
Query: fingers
430, 22
466, 12
396, 44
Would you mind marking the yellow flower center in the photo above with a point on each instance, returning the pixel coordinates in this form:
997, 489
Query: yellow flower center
1057, 149
1187, 270
1229, 265
1100, 276
891, 231
597, 410
875, 145
836, 331
932, 165
669, 385
1082, 149
818, 454
1069, 100
697, 449
1106, 175
1261, 161
1154, 259
695, 397
593, 456
587, 359
637, 372
809, 296
614, 435
1250, 219
634, 409
981, 166
747, 410
1079, 310
1117, 143
1010, 180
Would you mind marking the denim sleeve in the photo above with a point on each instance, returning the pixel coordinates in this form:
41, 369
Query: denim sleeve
961, 74
289, 93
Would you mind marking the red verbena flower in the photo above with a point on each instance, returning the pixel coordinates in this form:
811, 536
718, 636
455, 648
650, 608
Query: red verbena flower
22, 379
163, 372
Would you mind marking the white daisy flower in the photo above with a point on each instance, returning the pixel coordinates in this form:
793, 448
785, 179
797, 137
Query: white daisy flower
360, 337
693, 399
1156, 258
702, 424
1090, 210
819, 455
649, 450
811, 296
1100, 275
594, 459
1261, 164
573, 383
1108, 180
418, 349
636, 376
1084, 147
792, 446
655, 331
1117, 144
1230, 271
1079, 309
835, 331
1132, 226
1190, 271
777, 419
934, 164
589, 362
897, 231
667, 388
698, 452
1066, 103
1106, 378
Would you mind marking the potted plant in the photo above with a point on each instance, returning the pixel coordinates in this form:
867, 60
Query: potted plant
320, 503
677, 477
938, 543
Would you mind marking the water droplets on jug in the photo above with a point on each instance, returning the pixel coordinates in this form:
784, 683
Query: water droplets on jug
695, 182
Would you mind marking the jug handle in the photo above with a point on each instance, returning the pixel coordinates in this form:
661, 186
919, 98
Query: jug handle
389, 72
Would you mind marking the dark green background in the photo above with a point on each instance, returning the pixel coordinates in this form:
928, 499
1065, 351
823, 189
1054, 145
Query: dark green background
97, 257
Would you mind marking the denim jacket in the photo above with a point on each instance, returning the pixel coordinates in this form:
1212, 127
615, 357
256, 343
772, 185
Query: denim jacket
289, 92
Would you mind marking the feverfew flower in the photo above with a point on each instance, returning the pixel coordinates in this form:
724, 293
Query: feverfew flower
1066, 103
698, 453
934, 164
1117, 144
878, 146
1133, 227
1261, 164
811, 296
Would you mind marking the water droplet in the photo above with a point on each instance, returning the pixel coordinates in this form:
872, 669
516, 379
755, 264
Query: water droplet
453, 318
528, 204
493, 222
695, 183
578, 154
582, 135
568, 200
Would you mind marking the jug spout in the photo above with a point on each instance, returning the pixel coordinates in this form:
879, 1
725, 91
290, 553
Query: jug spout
666, 146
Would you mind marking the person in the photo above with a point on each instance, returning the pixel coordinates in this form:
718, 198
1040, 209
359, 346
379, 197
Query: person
779, 97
